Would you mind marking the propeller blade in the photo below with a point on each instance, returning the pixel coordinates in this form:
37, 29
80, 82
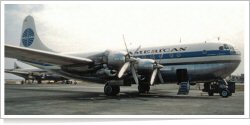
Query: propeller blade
153, 77
134, 74
160, 76
123, 69
137, 49
125, 43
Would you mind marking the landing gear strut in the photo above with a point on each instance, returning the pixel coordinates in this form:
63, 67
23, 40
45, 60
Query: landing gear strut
209, 88
111, 90
143, 88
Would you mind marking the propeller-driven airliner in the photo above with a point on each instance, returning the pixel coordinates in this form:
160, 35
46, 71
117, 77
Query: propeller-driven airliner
184, 64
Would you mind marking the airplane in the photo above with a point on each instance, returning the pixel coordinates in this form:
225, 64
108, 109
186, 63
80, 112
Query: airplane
34, 74
185, 64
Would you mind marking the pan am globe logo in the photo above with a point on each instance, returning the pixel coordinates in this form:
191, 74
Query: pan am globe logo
28, 37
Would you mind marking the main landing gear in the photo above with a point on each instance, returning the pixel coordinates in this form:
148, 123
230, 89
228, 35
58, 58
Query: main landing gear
143, 88
111, 90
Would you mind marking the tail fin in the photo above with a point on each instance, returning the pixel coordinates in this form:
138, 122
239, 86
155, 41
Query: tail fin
16, 66
29, 36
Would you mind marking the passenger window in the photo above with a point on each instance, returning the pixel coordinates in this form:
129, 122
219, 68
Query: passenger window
171, 55
204, 52
152, 57
178, 55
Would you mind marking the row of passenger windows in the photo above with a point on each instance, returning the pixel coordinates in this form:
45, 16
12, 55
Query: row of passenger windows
171, 55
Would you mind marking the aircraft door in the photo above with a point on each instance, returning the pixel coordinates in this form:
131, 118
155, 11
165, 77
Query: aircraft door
182, 75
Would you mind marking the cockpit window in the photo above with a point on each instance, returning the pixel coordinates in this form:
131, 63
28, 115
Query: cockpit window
226, 46
232, 48
221, 48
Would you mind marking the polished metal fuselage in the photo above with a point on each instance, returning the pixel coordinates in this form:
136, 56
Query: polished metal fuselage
200, 72
203, 62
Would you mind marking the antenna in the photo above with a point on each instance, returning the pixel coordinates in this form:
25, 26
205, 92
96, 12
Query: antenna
180, 39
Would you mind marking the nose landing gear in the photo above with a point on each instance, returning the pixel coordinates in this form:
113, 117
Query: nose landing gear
221, 86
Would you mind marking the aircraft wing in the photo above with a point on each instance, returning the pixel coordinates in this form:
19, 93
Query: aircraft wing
39, 56
21, 74
16, 72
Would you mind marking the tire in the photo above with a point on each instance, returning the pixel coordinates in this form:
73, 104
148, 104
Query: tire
116, 89
143, 88
39, 81
110, 90
225, 93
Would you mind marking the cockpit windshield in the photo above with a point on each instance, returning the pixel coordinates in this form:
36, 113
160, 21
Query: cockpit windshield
226, 47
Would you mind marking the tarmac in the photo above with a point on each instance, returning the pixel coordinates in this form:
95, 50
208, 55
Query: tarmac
88, 98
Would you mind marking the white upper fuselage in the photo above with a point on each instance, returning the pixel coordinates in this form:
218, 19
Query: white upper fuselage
191, 53
183, 53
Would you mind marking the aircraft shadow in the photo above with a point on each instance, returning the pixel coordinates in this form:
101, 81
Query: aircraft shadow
49, 94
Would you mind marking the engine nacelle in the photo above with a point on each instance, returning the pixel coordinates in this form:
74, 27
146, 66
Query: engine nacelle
115, 59
145, 66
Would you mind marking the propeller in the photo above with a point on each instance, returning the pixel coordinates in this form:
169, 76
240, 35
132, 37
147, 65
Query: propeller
129, 62
156, 71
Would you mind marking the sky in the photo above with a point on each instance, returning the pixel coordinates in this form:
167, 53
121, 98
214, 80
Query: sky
94, 26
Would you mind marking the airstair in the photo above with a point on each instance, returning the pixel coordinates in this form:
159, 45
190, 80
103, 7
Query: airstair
183, 88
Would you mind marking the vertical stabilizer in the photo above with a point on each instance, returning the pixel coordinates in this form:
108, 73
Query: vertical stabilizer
16, 66
29, 37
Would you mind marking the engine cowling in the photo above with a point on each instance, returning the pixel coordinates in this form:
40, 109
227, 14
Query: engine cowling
145, 66
122, 61
115, 59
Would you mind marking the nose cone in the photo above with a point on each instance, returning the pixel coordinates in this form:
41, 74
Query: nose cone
235, 61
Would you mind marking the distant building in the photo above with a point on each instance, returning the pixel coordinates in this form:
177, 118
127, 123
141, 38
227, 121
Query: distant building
236, 78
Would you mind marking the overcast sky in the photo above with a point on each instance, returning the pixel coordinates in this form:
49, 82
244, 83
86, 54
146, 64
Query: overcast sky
99, 26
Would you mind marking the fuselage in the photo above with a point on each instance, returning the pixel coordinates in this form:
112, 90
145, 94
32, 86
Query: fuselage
203, 61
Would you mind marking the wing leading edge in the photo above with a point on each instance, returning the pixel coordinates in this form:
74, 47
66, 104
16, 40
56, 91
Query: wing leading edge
33, 55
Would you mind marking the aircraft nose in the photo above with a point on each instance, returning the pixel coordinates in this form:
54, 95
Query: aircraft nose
235, 52
238, 52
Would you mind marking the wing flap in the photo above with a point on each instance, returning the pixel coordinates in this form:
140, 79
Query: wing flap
33, 55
